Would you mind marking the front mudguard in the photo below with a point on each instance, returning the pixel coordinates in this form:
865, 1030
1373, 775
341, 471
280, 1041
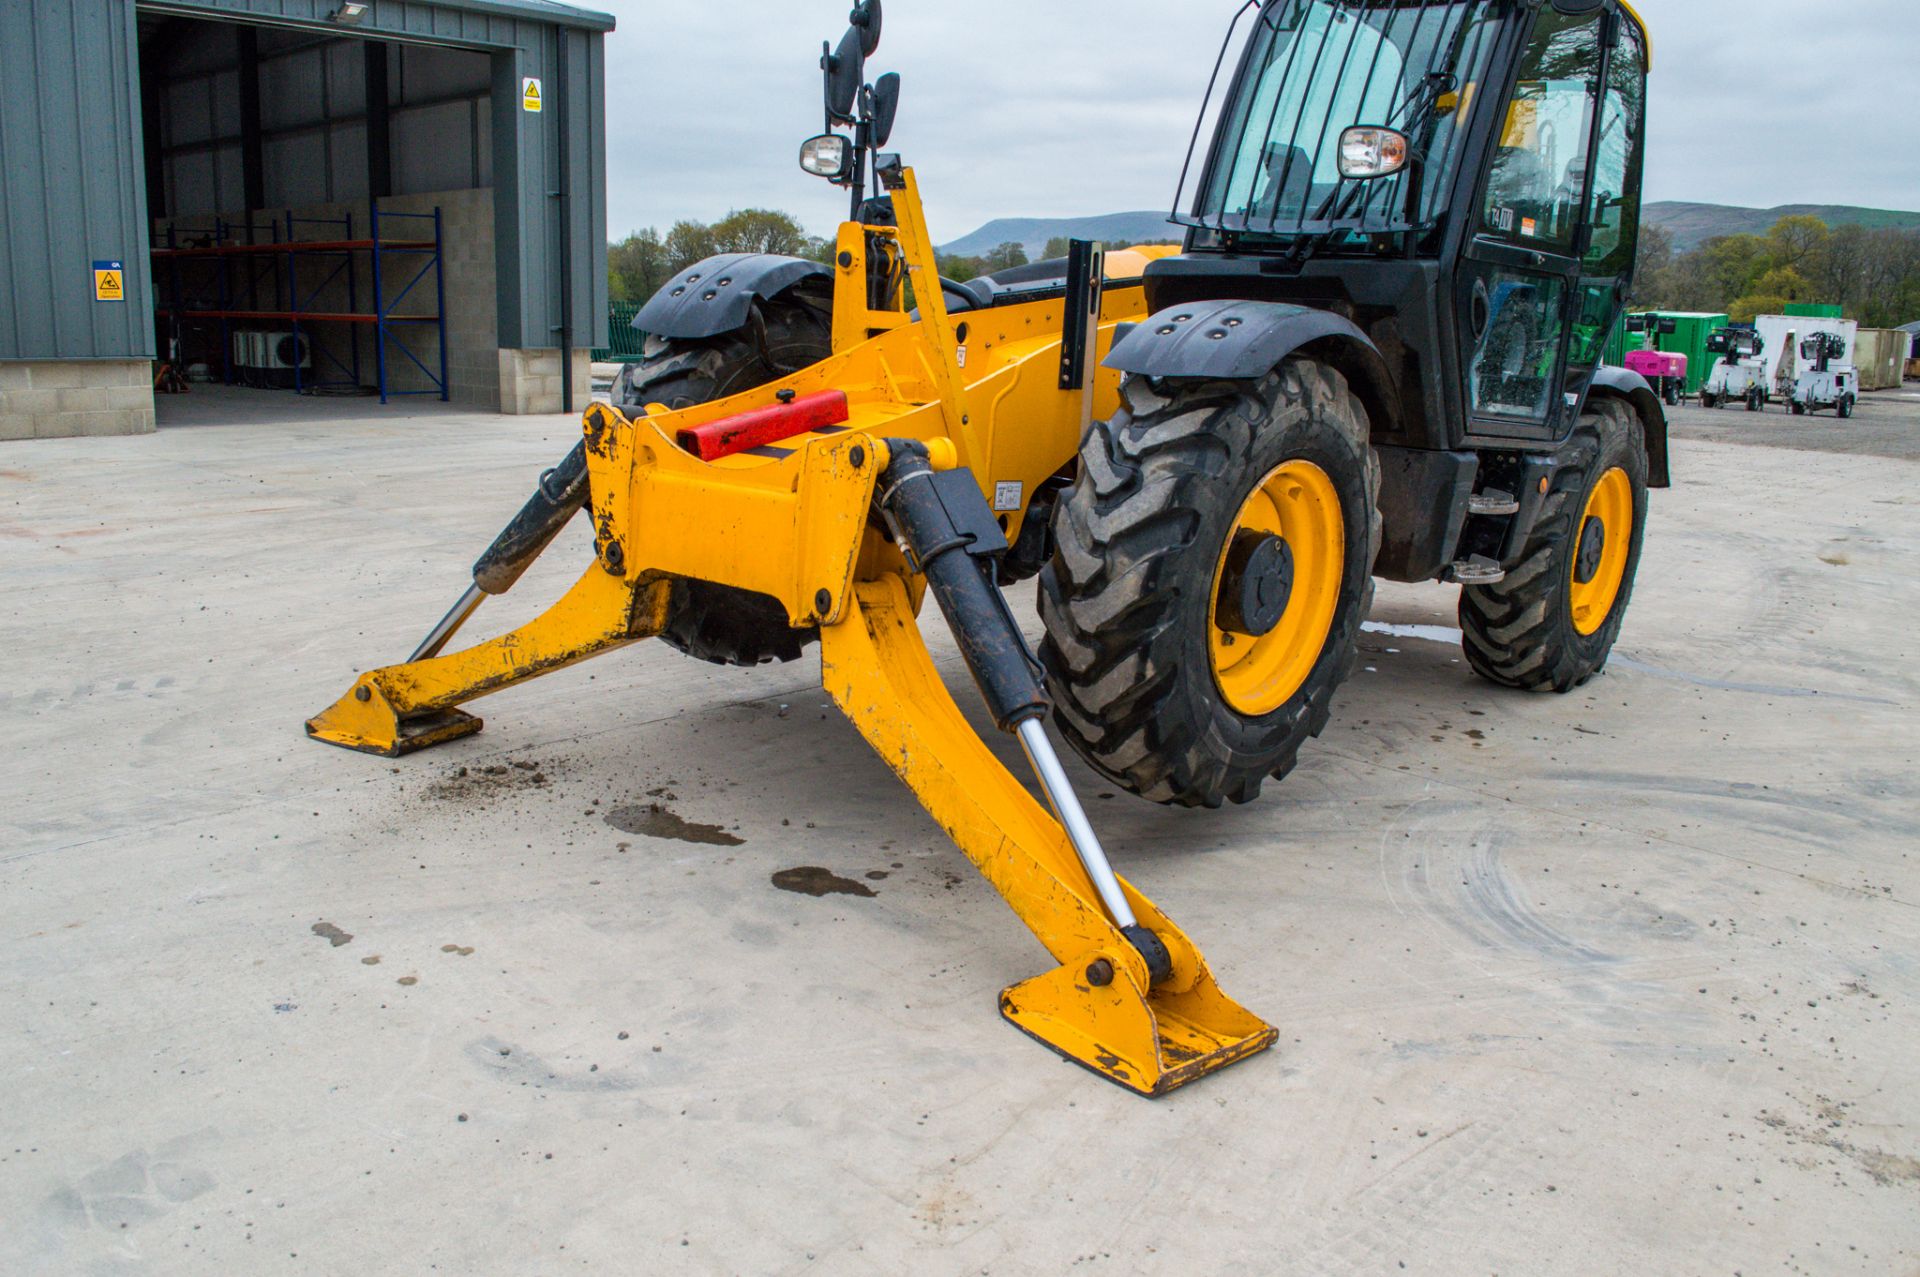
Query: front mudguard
1239, 340
1634, 390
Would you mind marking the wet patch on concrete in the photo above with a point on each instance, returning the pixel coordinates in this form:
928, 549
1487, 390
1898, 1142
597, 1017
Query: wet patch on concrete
331, 934
464, 950
812, 880
655, 820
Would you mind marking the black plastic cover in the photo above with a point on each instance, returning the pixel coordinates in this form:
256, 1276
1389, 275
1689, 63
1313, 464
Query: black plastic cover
1423, 507
713, 296
1230, 339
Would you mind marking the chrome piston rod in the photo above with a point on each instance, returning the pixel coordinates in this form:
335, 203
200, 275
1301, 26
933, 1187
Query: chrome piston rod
1073, 818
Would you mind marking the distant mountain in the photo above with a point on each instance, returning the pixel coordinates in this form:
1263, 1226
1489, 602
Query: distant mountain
1691, 224
1694, 224
1034, 232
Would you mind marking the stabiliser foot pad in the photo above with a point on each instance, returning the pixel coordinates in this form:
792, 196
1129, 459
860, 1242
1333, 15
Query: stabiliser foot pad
1148, 1042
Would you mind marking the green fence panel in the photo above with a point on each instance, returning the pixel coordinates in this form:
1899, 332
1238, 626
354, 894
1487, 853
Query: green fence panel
624, 347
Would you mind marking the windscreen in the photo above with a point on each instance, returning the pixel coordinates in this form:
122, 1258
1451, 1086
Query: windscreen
1314, 68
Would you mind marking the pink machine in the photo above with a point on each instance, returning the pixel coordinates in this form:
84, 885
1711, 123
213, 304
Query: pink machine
1665, 371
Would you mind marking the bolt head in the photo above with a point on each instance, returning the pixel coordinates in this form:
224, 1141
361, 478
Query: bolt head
857, 456
362, 694
1100, 973
823, 601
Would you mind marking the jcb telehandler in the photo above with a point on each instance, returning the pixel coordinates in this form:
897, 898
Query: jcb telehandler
1408, 232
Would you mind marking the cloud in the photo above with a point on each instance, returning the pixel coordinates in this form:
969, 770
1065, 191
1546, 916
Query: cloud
1066, 107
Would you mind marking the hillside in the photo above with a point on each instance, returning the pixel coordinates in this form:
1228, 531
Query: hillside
1034, 232
1694, 224
1691, 224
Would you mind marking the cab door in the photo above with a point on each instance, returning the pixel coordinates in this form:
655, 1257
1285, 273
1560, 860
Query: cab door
1520, 285
1610, 237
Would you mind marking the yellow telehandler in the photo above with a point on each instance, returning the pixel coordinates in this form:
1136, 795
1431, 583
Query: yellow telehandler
1408, 234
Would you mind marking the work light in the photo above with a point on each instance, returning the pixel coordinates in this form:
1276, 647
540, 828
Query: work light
826, 156
1368, 152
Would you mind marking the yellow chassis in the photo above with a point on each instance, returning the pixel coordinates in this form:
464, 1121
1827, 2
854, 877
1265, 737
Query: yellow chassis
982, 392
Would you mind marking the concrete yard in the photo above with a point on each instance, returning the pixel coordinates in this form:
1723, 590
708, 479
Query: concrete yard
1618, 982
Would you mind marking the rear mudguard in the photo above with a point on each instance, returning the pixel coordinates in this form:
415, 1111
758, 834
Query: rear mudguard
714, 296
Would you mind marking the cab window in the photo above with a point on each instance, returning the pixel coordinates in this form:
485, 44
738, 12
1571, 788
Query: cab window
1536, 189
1615, 215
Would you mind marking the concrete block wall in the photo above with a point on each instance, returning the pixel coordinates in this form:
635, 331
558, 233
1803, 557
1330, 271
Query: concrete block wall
530, 381
58, 398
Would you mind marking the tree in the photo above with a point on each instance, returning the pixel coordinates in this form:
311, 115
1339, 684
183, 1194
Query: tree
760, 230
1792, 240
960, 269
637, 266
1056, 247
1653, 268
1006, 256
1733, 262
688, 242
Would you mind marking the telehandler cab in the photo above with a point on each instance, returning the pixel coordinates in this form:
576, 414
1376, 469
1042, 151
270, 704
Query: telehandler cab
1410, 228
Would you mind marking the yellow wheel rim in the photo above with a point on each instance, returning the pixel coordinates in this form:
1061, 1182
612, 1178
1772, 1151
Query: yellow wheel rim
1603, 562
1296, 502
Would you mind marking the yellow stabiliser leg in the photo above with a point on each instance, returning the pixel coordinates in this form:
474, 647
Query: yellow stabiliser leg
1098, 1007
401, 708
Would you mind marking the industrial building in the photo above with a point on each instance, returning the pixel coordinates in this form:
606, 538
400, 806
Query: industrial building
397, 198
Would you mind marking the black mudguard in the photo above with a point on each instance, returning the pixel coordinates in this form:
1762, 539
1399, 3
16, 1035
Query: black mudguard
1633, 390
1239, 340
714, 296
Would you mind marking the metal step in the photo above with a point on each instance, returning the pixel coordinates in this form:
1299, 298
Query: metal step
1493, 502
1476, 569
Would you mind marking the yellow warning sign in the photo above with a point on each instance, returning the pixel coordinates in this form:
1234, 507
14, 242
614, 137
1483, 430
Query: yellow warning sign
109, 282
530, 94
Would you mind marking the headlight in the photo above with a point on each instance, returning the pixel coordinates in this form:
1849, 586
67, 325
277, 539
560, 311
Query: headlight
1368, 152
826, 156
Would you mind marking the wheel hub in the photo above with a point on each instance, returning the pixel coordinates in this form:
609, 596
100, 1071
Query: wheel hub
1593, 548
1256, 584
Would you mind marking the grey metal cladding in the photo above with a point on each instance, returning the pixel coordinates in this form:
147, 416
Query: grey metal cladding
495, 22
712, 296
70, 144
1231, 339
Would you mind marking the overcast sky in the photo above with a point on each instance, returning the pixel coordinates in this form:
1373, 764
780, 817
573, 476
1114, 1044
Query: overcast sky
1049, 108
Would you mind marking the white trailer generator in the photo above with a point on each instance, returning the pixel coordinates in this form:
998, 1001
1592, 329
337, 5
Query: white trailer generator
1739, 372
1825, 381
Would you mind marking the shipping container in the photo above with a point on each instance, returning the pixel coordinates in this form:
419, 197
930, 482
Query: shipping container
1813, 310
1880, 354
1689, 338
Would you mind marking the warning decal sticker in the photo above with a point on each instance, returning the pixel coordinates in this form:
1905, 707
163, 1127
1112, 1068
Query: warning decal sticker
109, 282
530, 94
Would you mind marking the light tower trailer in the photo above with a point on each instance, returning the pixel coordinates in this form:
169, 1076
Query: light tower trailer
1665, 370
1739, 372
1825, 382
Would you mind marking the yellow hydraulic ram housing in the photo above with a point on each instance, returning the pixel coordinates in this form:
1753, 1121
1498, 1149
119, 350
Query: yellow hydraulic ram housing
848, 526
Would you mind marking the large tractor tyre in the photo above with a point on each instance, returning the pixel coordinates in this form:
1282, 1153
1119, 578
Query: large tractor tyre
1552, 622
720, 623
1213, 565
